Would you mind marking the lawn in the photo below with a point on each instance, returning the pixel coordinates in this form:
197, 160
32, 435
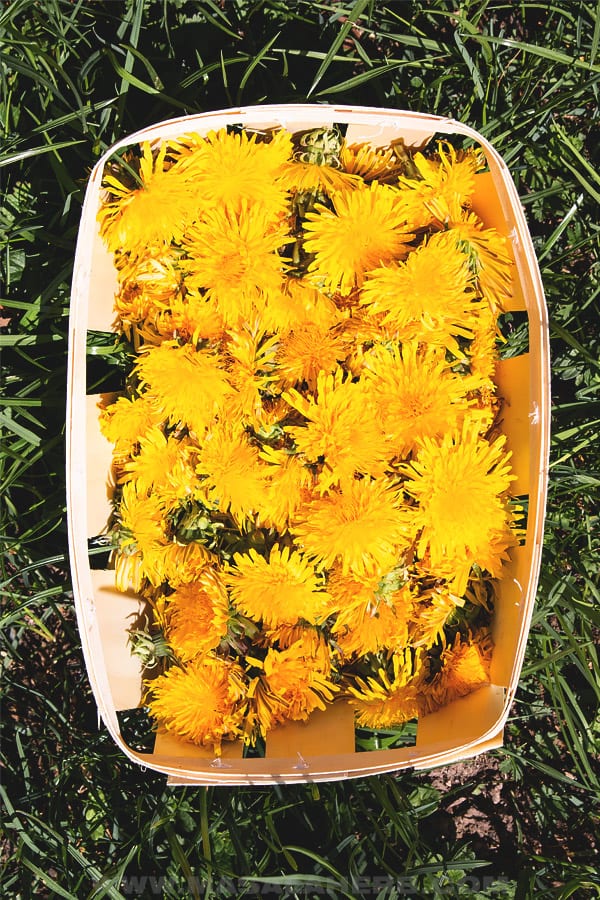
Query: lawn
80, 820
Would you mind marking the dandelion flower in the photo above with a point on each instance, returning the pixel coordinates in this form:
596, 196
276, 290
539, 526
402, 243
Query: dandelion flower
190, 318
465, 667
431, 615
178, 564
233, 476
390, 698
148, 286
234, 257
125, 422
289, 484
203, 702
282, 589
445, 185
362, 527
161, 464
371, 163
186, 384
461, 485
197, 614
151, 214
416, 394
236, 169
307, 351
365, 230
250, 359
428, 298
313, 178
489, 257
341, 429
381, 623
299, 305
292, 685
142, 521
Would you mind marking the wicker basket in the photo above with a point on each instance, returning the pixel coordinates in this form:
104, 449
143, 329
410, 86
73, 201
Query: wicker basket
324, 747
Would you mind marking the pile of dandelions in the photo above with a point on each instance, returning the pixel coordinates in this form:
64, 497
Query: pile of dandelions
312, 491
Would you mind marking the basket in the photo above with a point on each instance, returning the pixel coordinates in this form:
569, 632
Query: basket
323, 748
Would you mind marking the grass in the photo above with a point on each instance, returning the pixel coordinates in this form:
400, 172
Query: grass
83, 822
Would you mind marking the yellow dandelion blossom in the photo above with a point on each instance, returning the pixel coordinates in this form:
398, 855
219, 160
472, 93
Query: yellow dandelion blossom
203, 702
381, 623
482, 352
365, 230
381, 163
311, 638
444, 186
465, 667
234, 257
179, 564
142, 521
282, 589
362, 527
350, 589
288, 487
431, 615
489, 257
249, 355
232, 473
310, 177
461, 485
416, 394
299, 305
389, 699
196, 615
160, 466
125, 422
292, 685
186, 384
148, 286
236, 169
151, 214
190, 318
342, 429
429, 297
307, 351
